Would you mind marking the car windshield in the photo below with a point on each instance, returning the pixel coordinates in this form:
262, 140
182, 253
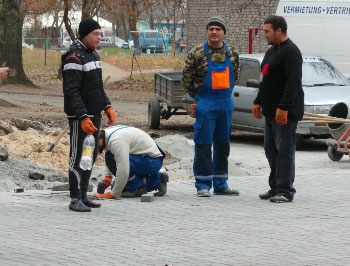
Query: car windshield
319, 72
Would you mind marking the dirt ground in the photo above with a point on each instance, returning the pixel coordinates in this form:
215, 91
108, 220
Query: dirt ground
44, 103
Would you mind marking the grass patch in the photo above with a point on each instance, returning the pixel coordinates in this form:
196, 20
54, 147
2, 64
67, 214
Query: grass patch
42, 66
157, 61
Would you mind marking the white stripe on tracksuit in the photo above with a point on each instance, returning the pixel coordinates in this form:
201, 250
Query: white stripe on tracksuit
85, 68
74, 146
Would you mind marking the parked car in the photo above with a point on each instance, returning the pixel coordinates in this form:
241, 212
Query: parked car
67, 41
106, 42
323, 85
151, 39
120, 43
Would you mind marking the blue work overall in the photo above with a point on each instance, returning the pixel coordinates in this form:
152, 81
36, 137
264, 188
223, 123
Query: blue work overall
213, 125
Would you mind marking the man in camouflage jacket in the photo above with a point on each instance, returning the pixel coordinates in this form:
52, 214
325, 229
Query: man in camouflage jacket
209, 76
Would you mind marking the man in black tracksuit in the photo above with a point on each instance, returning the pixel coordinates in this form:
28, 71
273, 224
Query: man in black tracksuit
84, 100
281, 101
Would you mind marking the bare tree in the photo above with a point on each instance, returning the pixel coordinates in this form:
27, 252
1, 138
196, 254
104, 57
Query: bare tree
90, 8
11, 23
67, 23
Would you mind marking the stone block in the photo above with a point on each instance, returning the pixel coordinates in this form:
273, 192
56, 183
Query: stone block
149, 197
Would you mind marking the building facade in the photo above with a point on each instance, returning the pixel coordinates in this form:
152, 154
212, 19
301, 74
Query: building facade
243, 17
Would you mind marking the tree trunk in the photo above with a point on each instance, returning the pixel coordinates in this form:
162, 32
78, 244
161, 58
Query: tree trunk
11, 23
67, 21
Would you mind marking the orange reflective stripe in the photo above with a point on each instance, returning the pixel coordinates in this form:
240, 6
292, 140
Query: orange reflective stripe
220, 80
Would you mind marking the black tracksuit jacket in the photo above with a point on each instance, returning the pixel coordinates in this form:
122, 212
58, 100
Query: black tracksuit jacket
82, 82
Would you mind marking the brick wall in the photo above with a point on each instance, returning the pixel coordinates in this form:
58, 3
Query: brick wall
240, 15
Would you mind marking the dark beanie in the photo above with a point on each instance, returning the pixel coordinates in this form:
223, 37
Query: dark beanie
217, 21
87, 26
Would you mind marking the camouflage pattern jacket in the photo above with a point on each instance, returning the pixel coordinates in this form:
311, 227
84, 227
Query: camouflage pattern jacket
196, 65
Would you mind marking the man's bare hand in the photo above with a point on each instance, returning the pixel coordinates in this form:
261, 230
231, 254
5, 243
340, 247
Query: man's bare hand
192, 110
4, 73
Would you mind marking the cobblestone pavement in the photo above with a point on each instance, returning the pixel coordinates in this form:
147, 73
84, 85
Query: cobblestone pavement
181, 229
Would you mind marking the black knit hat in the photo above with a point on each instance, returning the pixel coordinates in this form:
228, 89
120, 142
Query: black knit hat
87, 26
217, 21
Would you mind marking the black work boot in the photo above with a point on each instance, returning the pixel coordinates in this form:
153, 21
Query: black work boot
134, 194
78, 206
89, 203
164, 179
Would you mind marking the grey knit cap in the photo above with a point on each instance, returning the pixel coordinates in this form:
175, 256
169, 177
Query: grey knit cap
217, 21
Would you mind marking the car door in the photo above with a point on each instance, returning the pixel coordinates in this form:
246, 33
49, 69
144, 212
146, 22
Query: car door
244, 94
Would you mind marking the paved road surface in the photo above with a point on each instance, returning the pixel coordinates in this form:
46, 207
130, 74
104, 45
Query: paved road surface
183, 230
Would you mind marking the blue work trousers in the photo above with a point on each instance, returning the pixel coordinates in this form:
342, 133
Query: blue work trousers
141, 167
212, 131
280, 145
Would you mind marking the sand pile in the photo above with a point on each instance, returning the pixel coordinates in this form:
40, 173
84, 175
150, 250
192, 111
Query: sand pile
32, 145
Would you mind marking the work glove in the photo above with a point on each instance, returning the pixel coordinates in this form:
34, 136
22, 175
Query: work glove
281, 117
87, 125
107, 195
257, 111
192, 110
112, 117
108, 180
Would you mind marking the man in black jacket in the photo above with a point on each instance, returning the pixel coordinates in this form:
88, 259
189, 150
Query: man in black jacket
84, 100
281, 101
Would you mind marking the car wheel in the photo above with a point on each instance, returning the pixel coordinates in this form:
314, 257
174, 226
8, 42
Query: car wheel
154, 113
333, 154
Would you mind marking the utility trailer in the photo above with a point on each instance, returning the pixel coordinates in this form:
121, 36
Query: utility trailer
168, 98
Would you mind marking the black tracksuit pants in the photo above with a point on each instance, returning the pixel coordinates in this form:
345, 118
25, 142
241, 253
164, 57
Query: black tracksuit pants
78, 178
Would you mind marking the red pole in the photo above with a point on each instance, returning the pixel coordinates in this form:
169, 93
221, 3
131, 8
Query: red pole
250, 38
250, 41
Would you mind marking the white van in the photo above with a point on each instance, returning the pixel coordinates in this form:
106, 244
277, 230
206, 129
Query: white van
320, 28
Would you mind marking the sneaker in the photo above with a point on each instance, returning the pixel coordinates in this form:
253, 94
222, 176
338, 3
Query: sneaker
266, 195
280, 199
203, 193
88, 202
78, 206
164, 179
134, 194
227, 192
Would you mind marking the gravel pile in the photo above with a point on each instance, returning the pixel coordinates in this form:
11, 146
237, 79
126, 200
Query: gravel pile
15, 172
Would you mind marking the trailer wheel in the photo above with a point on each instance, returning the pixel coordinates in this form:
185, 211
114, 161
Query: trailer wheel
154, 113
333, 154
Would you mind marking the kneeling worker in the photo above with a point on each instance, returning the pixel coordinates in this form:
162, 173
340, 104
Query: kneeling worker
135, 159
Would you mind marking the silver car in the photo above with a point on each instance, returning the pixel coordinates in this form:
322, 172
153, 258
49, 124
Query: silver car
323, 85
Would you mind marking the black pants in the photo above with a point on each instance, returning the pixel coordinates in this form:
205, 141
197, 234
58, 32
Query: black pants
78, 178
279, 144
